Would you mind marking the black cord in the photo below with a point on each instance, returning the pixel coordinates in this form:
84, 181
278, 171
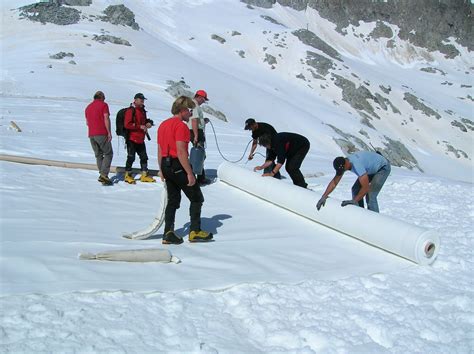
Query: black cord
218, 148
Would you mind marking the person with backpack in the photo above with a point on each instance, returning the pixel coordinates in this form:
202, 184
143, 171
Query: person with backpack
372, 170
137, 124
100, 136
176, 171
285, 147
197, 126
258, 129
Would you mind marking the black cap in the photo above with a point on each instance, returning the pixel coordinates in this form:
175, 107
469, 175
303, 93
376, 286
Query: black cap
140, 95
248, 123
339, 163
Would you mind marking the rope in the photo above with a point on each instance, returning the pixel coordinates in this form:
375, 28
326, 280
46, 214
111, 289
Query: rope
218, 148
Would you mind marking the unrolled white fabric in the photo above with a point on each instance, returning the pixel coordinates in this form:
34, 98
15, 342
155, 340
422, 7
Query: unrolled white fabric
140, 255
157, 221
412, 242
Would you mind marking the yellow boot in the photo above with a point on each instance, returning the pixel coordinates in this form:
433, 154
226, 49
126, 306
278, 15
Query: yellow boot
200, 236
145, 178
129, 179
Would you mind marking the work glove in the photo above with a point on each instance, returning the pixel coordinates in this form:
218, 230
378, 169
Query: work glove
321, 203
348, 202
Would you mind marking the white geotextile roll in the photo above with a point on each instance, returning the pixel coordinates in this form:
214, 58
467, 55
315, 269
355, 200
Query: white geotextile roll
142, 255
157, 221
412, 242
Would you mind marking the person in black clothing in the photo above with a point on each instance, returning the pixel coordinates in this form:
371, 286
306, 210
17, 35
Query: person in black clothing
258, 129
289, 147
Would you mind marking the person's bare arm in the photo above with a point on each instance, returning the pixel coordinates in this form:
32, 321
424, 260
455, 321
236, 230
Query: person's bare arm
107, 126
275, 170
252, 150
364, 187
264, 166
160, 158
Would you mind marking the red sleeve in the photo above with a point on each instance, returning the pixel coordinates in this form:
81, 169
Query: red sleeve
128, 123
183, 133
106, 109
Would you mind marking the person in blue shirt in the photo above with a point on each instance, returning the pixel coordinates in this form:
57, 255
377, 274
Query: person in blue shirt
372, 170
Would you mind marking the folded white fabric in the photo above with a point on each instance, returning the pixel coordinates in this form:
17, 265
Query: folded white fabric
141, 255
157, 222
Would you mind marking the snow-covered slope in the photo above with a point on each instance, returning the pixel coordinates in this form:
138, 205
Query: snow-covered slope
271, 281
175, 42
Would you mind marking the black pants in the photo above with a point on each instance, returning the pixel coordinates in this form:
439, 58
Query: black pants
293, 164
201, 141
270, 168
132, 149
177, 181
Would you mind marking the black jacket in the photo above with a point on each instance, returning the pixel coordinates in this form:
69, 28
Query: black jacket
286, 145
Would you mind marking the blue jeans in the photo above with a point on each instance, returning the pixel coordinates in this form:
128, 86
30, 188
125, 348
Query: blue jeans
376, 183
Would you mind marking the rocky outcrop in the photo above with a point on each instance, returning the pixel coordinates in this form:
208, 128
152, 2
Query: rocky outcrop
111, 39
420, 106
120, 15
424, 23
399, 155
355, 96
61, 55
311, 39
272, 20
394, 151
218, 38
271, 60
73, 2
180, 88
319, 62
50, 13
381, 30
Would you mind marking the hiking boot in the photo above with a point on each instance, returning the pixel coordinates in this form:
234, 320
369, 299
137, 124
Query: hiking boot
145, 178
129, 179
200, 236
105, 181
170, 238
204, 181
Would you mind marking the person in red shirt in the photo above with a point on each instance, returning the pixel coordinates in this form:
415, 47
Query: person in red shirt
176, 171
137, 125
98, 124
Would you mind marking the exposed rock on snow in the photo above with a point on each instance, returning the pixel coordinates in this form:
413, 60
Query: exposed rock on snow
427, 24
399, 155
420, 106
311, 39
272, 20
72, 2
381, 30
355, 96
112, 39
459, 125
432, 70
61, 55
271, 60
50, 13
218, 38
319, 62
120, 15
180, 88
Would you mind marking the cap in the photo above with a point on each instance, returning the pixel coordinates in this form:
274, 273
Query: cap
202, 93
338, 164
140, 95
248, 123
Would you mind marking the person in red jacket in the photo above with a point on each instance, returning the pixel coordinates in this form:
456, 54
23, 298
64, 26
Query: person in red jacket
175, 169
98, 124
137, 125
